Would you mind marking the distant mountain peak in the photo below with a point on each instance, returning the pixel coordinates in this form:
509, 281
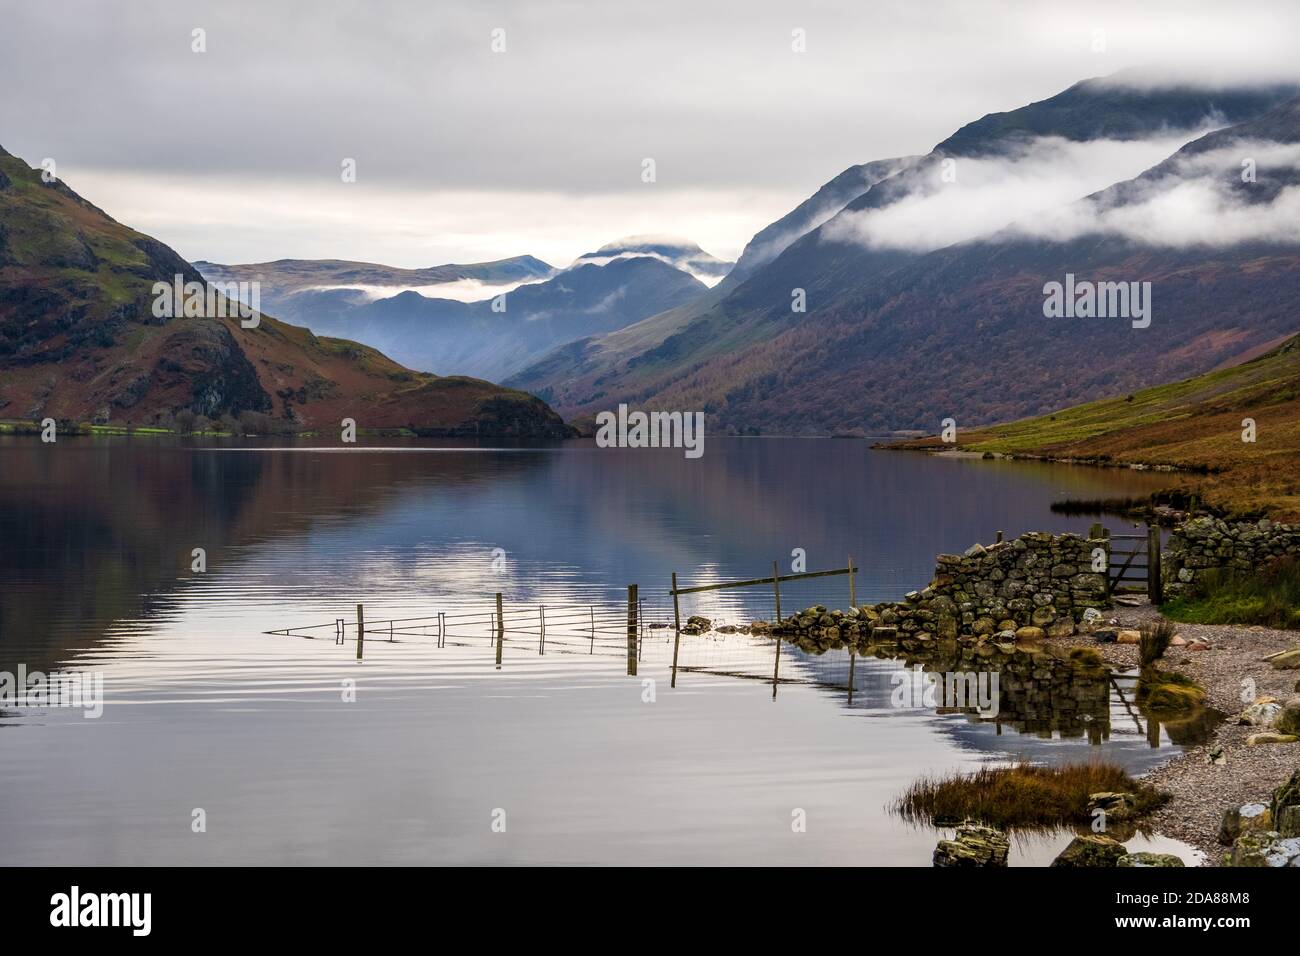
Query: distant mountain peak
675, 251
650, 243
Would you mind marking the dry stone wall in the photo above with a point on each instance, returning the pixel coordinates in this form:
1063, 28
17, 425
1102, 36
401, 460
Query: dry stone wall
1037, 581
1202, 544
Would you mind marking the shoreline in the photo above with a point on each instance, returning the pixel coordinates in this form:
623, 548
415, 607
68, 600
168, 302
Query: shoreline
962, 451
1201, 791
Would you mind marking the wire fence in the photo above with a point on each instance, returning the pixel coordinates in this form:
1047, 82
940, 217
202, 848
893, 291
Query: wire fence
592, 628
615, 628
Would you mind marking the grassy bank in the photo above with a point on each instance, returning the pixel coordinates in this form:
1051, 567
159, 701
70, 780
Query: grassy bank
1193, 425
1269, 597
201, 430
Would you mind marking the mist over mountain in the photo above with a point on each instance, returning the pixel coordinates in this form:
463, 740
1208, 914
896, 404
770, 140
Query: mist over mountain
532, 307
899, 286
679, 253
772, 240
887, 273
283, 279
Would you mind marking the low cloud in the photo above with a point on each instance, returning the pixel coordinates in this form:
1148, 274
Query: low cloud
459, 290
713, 272
989, 194
1198, 199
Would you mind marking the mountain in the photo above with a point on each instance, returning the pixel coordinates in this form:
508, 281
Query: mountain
1192, 424
735, 359
772, 240
902, 353
571, 371
79, 340
613, 287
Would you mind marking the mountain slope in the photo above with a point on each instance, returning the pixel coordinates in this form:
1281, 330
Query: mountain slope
770, 241
79, 340
730, 359
1195, 423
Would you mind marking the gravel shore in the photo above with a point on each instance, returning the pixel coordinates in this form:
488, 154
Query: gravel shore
1202, 790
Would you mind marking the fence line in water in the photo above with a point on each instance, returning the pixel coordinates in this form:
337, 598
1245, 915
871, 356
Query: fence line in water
564, 628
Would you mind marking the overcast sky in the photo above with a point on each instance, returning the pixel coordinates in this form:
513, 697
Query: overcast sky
463, 154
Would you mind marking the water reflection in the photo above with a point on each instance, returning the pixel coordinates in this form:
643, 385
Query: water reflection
1043, 695
204, 709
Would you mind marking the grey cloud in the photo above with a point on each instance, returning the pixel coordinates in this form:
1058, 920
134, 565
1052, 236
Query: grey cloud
585, 91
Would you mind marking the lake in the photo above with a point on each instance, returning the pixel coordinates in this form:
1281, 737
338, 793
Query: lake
289, 750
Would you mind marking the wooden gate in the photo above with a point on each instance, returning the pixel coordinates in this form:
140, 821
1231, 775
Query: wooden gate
1135, 559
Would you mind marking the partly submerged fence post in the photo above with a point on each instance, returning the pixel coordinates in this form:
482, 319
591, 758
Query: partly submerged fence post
677, 629
541, 633
501, 629
852, 657
1154, 589
361, 631
631, 630
442, 629
592, 649
776, 664
776, 586
853, 594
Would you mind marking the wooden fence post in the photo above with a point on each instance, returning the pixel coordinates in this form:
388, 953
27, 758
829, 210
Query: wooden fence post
1154, 589
852, 657
776, 665
541, 635
853, 594
677, 626
776, 586
631, 630
361, 631
501, 630
1104, 534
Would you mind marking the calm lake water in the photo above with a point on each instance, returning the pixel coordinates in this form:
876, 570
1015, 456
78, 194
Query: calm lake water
203, 710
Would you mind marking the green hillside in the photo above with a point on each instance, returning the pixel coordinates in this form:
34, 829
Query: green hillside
1195, 424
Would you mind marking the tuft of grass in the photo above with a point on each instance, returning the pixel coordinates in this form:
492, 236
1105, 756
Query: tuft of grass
1269, 597
1153, 640
1167, 692
1023, 796
1087, 659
